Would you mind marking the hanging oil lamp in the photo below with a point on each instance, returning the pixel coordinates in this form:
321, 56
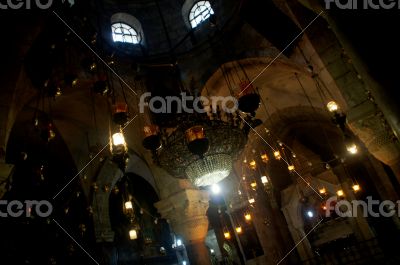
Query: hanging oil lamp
151, 139
133, 233
227, 234
101, 85
248, 101
197, 141
247, 216
253, 165
264, 157
120, 113
119, 149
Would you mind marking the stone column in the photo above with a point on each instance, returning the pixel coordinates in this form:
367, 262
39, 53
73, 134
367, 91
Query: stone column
386, 104
382, 181
382, 184
106, 179
295, 226
268, 224
375, 123
359, 224
366, 122
16, 93
198, 253
186, 214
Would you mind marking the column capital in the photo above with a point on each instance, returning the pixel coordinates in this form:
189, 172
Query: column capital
367, 122
186, 213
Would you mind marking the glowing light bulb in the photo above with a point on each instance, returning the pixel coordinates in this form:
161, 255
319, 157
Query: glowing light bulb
340, 193
356, 187
227, 235
247, 216
118, 139
264, 180
133, 234
332, 106
253, 185
253, 164
264, 158
352, 148
239, 229
215, 188
322, 191
291, 167
251, 201
58, 92
277, 155
117, 144
310, 214
128, 205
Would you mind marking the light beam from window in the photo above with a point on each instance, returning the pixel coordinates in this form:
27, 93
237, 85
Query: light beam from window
200, 12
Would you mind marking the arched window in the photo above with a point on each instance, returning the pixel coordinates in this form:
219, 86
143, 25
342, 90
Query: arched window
200, 12
127, 29
122, 32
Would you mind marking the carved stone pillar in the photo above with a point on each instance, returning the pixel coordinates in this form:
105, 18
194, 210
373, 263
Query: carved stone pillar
375, 124
359, 223
107, 177
102, 225
295, 223
388, 105
186, 214
366, 122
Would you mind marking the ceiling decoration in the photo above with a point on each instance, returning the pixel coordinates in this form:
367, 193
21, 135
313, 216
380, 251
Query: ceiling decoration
204, 145
226, 137
199, 146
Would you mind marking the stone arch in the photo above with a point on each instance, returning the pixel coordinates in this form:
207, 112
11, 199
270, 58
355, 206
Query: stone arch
144, 196
22, 94
278, 85
297, 123
284, 119
139, 166
372, 115
285, 123
39, 159
106, 180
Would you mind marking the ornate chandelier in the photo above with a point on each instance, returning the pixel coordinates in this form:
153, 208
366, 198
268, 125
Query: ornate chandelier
203, 148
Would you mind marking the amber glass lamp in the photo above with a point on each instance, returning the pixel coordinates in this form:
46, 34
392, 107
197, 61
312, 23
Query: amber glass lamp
197, 141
